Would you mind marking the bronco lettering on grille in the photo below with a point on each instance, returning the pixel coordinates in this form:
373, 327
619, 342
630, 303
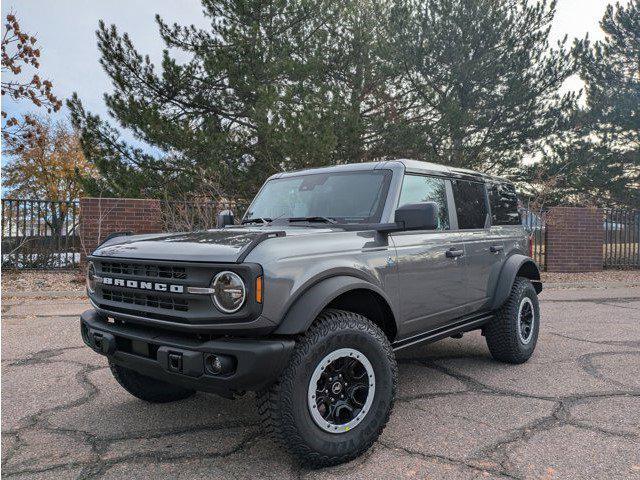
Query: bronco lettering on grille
141, 285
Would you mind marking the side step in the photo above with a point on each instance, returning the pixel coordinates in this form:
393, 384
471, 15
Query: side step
464, 324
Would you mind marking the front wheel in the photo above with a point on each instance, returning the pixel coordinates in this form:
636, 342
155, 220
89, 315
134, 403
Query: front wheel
334, 398
513, 333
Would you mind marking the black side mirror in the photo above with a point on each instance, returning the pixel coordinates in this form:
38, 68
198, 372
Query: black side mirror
224, 218
417, 216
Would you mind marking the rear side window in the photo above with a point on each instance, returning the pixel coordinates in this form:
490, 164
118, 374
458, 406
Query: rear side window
504, 204
416, 189
471, 205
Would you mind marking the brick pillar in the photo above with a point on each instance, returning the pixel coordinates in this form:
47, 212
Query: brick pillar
101, 216
575, 237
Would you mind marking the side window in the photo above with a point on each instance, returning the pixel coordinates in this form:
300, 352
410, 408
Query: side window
416, 189
471, 206
504, 204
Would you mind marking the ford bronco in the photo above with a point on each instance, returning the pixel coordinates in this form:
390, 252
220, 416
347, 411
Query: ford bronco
305, 301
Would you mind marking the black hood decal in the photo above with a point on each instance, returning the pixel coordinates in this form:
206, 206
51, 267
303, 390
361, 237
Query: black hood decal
223, 245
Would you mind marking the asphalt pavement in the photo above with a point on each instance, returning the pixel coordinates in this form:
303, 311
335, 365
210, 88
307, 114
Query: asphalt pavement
572, 411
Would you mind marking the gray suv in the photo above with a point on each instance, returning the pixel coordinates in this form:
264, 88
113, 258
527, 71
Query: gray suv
329, 273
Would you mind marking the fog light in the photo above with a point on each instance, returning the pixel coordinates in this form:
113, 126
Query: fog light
216, 364
220, 364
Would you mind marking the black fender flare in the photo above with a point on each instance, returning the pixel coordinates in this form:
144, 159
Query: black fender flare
510, 269
312, 301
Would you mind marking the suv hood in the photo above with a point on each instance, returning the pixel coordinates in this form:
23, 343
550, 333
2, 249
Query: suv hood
226, 245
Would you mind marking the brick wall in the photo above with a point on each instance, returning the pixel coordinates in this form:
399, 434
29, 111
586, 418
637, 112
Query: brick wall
101, 216
574, 239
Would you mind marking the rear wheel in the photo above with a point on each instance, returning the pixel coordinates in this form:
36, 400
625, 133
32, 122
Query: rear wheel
513, 333
334, 398
147, 388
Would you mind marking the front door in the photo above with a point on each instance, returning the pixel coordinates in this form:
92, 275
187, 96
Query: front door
431, 264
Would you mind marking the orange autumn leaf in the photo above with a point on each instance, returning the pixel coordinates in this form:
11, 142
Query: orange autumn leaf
47, 164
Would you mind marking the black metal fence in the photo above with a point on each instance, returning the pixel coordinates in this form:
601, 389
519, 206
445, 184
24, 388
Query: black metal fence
40, 234
535, 223
621, 247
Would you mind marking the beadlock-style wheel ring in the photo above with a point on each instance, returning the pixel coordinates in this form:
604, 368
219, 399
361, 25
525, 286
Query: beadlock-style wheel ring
526, 320
341, 390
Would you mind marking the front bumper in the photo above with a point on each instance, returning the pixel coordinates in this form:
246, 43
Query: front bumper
184, 359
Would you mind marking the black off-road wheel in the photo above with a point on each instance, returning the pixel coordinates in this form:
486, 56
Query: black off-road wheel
147, 388
512, 335
335, 396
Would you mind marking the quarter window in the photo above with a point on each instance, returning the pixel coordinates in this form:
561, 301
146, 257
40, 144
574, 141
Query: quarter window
417, 189
504, 204
471, 205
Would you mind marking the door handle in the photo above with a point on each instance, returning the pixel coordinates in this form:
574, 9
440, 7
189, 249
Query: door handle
496, 248
453, 253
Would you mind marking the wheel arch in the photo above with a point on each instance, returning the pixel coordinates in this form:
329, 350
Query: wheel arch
341, 292
516, 265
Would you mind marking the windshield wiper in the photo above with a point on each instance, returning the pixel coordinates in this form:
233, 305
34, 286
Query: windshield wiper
256, 220
313, 219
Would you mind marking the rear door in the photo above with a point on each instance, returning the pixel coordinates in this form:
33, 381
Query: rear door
484, 248
430, 279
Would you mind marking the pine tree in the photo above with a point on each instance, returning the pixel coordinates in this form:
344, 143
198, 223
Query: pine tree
361, 73
290, 84
597, 161
483, 78
239, 110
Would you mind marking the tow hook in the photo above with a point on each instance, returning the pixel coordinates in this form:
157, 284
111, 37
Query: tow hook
103, 342
175, 362
181, 361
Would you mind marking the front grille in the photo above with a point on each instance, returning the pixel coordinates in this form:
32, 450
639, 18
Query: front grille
155, 301
125, 295
141, 270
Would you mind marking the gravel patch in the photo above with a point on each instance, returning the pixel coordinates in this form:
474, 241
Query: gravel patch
596, 279
42, 281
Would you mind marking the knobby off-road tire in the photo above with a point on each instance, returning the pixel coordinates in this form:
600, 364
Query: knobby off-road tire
147, 388
285, 409
512, 335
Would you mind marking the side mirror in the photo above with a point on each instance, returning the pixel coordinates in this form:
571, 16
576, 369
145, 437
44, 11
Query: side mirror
224, 218
417, 216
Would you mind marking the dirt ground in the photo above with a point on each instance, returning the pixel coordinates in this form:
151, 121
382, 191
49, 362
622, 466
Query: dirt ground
597, 279
42, 281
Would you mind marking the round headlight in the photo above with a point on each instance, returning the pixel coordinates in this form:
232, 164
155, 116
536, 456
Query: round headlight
229, 292
91, 277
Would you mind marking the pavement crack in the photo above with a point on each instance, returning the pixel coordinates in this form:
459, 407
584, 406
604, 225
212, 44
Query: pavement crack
449, 460
423, 396
603, 431
98, 468
586, 363
41, 356
612, 343
497, 451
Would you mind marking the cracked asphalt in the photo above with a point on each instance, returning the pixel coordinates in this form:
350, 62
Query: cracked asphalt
572, 411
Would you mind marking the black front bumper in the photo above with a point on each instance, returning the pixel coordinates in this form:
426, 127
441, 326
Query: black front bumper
183, 359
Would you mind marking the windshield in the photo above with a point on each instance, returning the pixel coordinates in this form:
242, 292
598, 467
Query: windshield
346, 197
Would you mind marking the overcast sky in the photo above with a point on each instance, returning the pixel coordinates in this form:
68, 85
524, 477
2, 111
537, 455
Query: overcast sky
66, 33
